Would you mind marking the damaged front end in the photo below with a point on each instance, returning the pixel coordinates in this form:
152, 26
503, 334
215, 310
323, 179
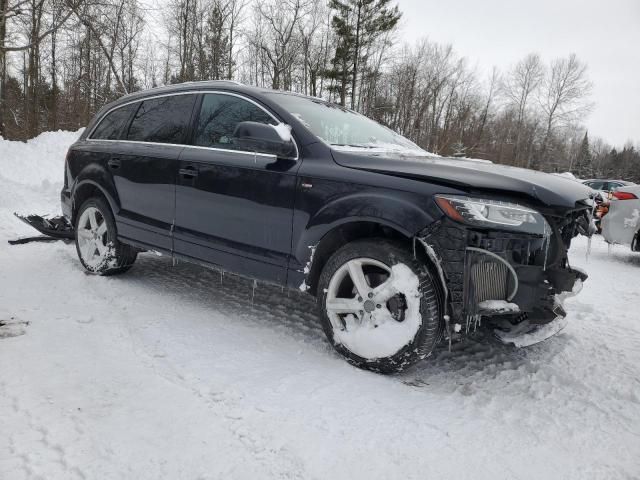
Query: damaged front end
507, 264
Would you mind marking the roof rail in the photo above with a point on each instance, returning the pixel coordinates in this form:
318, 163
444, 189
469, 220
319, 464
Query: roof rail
196, 82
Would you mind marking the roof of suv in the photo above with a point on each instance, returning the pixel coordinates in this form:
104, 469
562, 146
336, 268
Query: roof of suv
186, 86
258, 93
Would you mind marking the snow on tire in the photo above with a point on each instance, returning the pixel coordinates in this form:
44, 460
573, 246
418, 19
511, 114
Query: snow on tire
380, 307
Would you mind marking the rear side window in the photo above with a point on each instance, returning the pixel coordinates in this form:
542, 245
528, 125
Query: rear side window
219, 116
112, 124
162, 120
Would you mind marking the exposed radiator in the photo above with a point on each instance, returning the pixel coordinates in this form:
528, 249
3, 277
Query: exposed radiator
487, 277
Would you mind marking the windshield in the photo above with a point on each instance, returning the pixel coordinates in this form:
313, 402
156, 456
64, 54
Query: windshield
343, 128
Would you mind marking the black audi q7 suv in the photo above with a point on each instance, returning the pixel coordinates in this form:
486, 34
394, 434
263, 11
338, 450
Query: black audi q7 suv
402, 248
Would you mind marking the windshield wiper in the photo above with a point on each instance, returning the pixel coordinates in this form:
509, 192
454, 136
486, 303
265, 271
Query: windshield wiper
355, 145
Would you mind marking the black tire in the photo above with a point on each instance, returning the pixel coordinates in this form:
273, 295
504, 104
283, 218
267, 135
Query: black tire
120, 257
430, 331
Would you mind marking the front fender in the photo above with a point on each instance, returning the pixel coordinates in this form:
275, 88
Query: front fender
400, 212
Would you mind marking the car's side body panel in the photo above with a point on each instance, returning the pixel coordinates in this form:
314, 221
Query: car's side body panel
236, 204
144, 179
87, 167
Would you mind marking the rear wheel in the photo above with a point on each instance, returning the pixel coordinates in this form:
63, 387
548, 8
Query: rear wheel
97, 245
380, 306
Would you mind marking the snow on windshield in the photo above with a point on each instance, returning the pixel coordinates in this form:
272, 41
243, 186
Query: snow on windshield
344, 129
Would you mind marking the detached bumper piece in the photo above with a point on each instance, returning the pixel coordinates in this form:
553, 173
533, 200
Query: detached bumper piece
515, 281
524, 334
56, 228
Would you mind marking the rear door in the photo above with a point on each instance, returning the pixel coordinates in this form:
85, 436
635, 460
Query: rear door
144, 165
234, 208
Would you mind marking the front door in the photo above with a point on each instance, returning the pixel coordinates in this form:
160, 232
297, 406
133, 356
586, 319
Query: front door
234, 208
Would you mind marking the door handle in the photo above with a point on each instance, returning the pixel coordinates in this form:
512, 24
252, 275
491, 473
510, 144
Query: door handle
188, 172
114, 163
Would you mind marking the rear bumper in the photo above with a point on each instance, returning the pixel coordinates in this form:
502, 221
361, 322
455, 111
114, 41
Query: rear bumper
497, 274
622, 223
66, 204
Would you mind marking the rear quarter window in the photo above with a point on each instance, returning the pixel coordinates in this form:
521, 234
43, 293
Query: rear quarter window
162, 120
112, 124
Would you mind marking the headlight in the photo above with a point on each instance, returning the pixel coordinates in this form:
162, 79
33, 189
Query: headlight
486, 213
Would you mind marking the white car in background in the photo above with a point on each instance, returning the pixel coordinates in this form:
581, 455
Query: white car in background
622, 223
605, 185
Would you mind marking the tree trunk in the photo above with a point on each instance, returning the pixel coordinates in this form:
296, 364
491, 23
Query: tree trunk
4, 6
54, 84
356, 53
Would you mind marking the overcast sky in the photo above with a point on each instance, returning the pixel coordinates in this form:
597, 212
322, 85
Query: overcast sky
603, 33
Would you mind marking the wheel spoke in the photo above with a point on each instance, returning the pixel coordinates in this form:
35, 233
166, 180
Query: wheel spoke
101, 247
87, 250
343, 305
93, 220
357, 277
102, 228
383, 292
84, 234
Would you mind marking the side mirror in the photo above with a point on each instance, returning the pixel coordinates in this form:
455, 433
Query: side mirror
264, 138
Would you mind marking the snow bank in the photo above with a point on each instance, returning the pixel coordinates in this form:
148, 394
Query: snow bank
37, 161
31, 176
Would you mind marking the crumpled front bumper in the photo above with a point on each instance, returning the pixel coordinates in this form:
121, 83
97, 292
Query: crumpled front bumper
501, 275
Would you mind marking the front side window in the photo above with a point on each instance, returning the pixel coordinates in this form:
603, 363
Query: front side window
219, 116
162, 120
112, 124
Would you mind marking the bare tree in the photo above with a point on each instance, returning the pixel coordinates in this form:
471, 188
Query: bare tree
520, 86
564, 96
280, 44
314, 30
235, 18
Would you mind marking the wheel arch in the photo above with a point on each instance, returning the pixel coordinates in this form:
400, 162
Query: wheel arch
394, 215
88, 188
346, 232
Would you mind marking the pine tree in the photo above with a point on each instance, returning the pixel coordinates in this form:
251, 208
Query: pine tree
357, 25
584, 162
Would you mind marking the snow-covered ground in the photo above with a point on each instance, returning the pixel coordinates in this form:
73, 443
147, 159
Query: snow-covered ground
170, 372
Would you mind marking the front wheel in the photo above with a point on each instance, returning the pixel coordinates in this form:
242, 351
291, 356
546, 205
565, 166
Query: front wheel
380, 306
97, 245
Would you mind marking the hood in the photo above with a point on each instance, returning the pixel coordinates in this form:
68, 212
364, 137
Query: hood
471, 175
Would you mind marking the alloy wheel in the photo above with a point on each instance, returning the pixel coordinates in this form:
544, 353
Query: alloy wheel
92, 237
374, 309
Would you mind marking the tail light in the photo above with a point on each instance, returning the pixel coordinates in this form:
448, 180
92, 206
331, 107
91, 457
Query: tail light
624, 196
